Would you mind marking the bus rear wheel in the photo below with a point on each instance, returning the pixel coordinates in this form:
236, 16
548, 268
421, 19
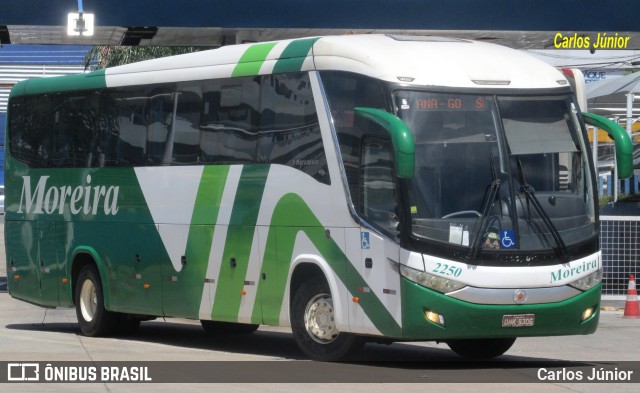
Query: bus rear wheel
94, 319
313, 325
486, 348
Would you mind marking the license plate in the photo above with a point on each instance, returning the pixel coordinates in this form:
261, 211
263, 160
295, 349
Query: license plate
518, 320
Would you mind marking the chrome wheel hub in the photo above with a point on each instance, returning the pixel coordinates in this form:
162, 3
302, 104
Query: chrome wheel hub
88, 300
319, 319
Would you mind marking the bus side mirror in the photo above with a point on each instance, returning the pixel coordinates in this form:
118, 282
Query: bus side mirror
624, 147
404, 147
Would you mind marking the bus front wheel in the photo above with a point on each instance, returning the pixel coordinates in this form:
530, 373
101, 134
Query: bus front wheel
94, 319
313, 324
486, 348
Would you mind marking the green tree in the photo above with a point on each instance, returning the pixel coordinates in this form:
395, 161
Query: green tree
103, 56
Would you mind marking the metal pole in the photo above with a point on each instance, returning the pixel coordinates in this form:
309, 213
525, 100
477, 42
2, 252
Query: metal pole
615, 178
594, 147
629, 112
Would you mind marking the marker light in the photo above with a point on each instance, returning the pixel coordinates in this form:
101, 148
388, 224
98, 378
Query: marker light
434, 317
491, 82
587, 314
425, 279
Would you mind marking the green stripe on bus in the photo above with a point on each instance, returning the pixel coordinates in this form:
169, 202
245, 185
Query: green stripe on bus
293, 56
237, 249
92, 80
209, 194
204, 217
292, 215
252, 59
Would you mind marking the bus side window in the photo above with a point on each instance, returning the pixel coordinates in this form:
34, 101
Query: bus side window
347, 91
230, 120
160, 123
208, 138
290, 131
29, 132
379, 192
75, 130
126, 127
187, 128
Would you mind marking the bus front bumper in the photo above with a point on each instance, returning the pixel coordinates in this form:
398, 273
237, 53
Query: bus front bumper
430, 315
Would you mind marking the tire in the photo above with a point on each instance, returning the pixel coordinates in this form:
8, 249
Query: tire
218, 328
313, 325
481, 348
94, 319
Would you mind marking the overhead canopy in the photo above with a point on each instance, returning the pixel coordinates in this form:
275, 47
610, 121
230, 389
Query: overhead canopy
625, 84
522, 24
609, 96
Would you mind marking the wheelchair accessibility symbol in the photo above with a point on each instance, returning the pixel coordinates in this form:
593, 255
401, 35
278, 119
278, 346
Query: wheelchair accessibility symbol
364, 241
508, 239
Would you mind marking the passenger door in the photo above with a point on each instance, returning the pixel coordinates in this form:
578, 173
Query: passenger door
376, 249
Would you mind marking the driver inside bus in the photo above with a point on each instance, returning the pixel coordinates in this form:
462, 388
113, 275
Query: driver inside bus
491, 239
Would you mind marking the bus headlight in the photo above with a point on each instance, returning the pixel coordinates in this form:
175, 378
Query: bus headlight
588, 282
430, 281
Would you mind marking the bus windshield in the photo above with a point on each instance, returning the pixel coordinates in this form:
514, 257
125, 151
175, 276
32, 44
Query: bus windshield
498, 173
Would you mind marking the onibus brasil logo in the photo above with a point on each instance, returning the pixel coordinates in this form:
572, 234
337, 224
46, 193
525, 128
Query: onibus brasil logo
86, 199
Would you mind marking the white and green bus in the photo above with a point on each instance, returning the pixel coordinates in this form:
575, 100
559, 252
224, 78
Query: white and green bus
353, 188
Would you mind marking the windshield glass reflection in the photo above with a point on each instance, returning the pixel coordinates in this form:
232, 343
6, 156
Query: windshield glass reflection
476, 155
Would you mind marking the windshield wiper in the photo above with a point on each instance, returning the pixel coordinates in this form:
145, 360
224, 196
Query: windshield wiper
529, 194
487, 201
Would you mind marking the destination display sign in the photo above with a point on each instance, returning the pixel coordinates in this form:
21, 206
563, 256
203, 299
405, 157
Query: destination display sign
444, 102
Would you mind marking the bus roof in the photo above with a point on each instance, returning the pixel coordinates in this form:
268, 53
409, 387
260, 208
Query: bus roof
413, 60
436, 61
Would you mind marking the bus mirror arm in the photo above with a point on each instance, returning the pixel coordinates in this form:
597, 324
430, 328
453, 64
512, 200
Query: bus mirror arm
401, 139
624, 147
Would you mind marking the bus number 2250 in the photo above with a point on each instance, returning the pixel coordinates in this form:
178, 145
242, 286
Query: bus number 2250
443, 268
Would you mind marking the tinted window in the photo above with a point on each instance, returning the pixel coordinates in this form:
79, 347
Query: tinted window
290, 133
378, 186
160, 123
75, 129
346, 91
124, 137
186, 139
230, 120
263, 119
30, 120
